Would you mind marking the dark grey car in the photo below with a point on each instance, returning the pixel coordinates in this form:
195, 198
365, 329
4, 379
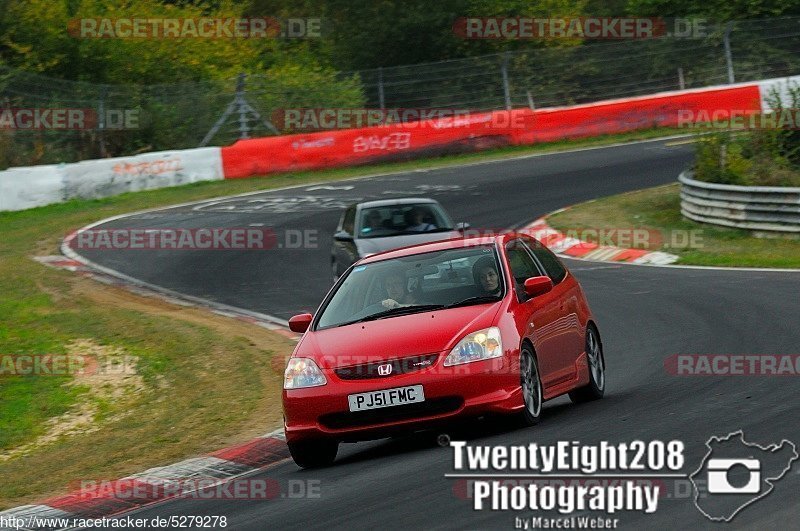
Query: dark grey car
374, 226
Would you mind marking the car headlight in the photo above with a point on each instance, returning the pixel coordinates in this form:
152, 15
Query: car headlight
302, 372
481, 345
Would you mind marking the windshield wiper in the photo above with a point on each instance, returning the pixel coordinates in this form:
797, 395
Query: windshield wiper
382, 235
414, 232
402, 310
474, 300
391, 312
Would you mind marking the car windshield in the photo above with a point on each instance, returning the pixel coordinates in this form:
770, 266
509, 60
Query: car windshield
416, 283
392, 220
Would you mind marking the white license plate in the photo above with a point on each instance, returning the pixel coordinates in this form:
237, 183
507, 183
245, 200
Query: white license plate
386, 398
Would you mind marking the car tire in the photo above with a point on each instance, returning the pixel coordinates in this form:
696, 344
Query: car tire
313, 454
597, 370
531, 385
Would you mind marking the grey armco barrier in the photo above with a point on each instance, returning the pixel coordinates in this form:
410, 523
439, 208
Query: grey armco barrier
757, 208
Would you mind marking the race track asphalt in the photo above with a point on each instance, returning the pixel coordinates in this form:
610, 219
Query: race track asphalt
645, 314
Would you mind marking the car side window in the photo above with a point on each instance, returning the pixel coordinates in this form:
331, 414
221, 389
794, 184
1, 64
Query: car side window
522, 265
550, 262
349, 221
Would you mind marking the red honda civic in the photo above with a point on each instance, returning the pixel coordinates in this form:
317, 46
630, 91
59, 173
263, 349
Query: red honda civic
410, 338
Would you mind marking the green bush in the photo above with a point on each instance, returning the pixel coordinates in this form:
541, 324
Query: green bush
757, 157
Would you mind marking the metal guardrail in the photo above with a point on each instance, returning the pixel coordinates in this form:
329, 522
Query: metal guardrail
758, 208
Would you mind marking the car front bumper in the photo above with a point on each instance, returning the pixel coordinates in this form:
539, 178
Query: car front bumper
461, 391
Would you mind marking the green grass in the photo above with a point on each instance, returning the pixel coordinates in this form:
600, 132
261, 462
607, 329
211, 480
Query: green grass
200, 381
27, 403
659, 209
24, 329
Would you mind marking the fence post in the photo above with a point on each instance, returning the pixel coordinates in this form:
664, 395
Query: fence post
726, 41
381, 100
506, 89
243, 129
101, 123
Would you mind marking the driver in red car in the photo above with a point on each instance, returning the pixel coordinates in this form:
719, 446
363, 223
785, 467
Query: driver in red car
396, 288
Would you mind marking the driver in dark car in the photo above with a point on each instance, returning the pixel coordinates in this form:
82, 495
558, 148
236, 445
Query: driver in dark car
416, 221
484, 271
396, 288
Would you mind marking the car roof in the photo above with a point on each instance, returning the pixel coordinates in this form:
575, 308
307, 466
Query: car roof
396, 201
440, 245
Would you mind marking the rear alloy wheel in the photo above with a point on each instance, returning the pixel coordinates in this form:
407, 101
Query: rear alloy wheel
313, 454
597, 370
531, 384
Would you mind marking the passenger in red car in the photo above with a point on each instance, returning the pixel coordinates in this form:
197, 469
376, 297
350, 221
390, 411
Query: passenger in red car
485, 273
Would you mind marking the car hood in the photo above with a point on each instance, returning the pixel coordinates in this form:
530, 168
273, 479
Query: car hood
395, 337
376, 245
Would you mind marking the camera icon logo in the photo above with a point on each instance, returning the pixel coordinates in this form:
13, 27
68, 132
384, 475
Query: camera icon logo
720, 469
735, 474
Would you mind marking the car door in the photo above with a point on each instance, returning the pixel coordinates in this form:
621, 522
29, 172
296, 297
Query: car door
540, 318
568, 291
345, 252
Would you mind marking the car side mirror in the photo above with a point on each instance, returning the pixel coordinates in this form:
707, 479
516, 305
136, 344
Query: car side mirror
300, 323
536, 286
461, 227
343, 236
